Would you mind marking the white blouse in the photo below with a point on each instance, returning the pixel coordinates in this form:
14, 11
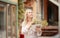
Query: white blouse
29, 33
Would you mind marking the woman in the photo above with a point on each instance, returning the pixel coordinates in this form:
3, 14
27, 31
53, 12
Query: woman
28, 28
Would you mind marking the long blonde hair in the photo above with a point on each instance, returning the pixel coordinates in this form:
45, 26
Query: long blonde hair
25, 15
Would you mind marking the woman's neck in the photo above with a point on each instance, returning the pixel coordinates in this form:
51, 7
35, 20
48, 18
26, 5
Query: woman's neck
29, 20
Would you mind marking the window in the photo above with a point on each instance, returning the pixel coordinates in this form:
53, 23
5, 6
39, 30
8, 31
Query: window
2, 21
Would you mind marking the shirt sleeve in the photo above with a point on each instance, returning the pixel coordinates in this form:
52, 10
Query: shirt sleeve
39, 33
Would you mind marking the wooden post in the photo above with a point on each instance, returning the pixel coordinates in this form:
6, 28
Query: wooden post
45, 9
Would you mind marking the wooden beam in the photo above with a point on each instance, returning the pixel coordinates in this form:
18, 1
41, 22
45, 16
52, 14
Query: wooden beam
45, 9
54, 2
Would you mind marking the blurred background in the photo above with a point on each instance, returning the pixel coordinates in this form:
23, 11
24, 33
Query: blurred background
12, 15
45, 11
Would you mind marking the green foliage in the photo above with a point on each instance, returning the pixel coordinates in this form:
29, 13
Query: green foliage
20, 10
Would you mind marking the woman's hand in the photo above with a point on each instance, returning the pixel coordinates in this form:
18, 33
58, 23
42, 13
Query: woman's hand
38, 29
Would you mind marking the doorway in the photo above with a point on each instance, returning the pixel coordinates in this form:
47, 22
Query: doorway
52, 14
7, 20
2, 24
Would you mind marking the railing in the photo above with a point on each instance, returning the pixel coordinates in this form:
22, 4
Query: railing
50, 31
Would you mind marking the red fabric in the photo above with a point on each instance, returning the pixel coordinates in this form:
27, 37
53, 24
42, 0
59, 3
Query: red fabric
21, 35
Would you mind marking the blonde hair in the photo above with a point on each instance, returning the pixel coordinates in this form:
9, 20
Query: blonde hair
25, 15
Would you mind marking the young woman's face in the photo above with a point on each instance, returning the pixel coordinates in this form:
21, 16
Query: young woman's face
30, 14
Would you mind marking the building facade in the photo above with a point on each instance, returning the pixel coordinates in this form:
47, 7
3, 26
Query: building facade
8, 21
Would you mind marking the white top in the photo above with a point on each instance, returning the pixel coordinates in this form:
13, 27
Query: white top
29, 33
